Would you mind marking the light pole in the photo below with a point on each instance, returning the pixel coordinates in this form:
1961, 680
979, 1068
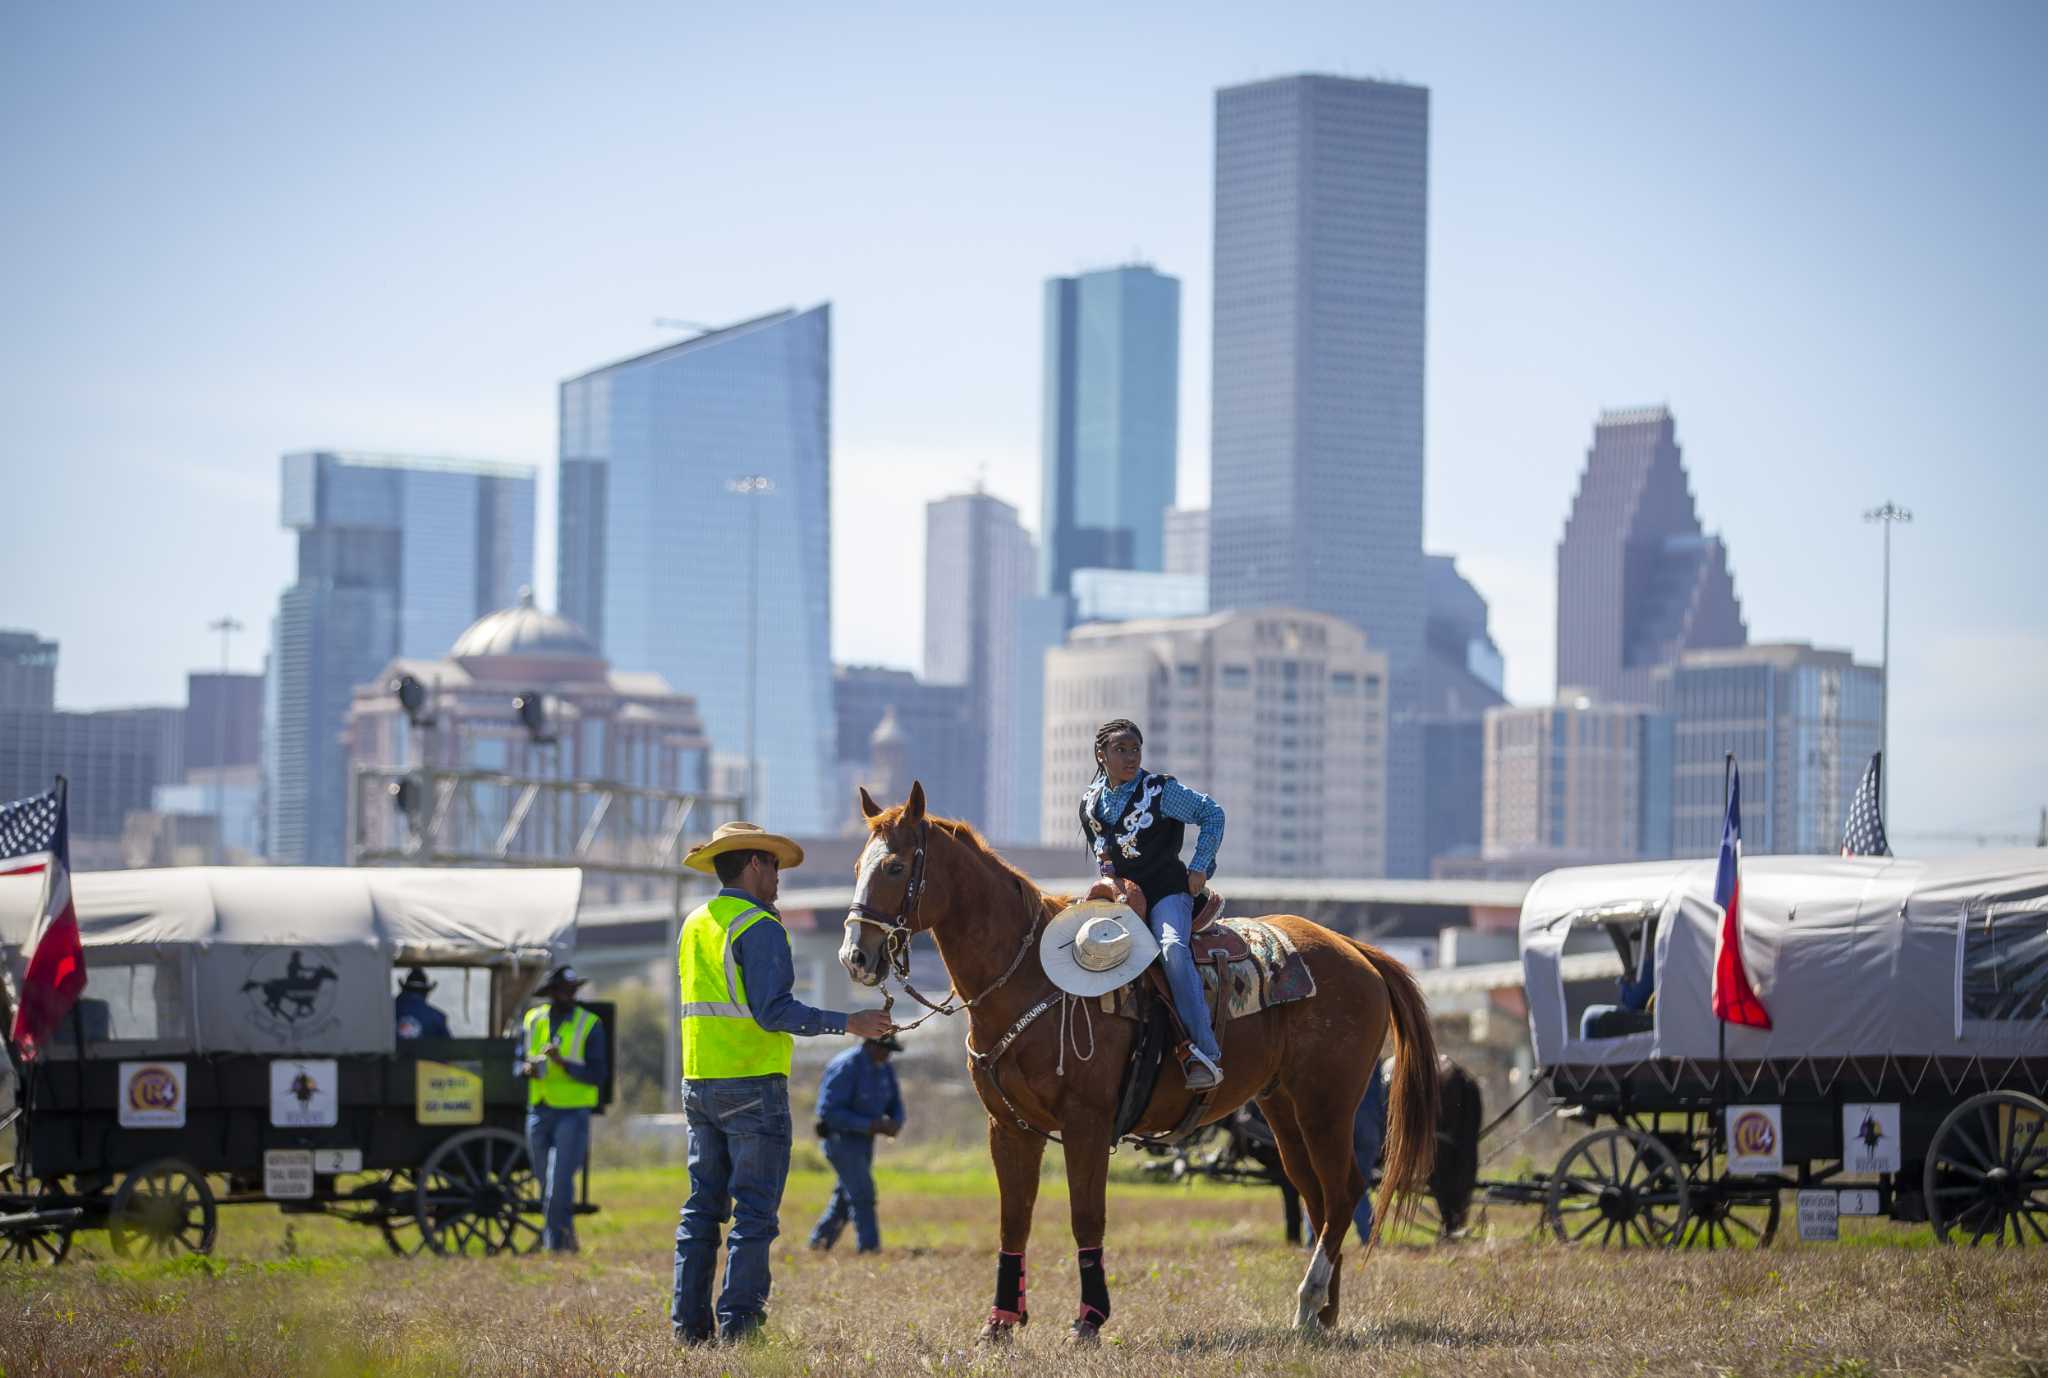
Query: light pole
752, 486
227, 626
1889, 516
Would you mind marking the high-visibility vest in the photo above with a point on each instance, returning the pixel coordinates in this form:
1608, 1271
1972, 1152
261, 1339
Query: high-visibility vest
554, 1086
720, 1038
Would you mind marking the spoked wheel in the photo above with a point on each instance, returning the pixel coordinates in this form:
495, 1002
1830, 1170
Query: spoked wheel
1987, 1172
477, 1195
1728, 1215
26, 1243
1618, 1187
400, 1221
163, 1209
1210, 1148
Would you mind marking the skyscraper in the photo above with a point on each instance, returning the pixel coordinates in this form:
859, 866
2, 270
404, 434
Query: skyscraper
1111, 428
1187, 541
1580, 781
978, 565
1462, 675
668, 545
1322, 211
396, 556
1638, 581
28, 671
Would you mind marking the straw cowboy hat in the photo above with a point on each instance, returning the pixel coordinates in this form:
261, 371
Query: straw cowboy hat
1095, 946
745, 837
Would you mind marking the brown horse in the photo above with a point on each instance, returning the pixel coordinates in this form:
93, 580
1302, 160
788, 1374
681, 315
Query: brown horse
1306, 1063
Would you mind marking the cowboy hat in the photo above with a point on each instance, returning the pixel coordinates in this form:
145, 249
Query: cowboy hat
563, 978
745, 837
888, 1041
1095, 946
416, 980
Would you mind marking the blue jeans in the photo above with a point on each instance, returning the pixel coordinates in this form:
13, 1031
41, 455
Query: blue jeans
739, 1163
1172, 918
853, 1157
556, 1140
1368, 1136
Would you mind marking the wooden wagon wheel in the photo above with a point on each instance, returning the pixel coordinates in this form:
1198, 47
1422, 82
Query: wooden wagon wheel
1727, 1215
477, 1194
1619, 1187
31, 1243
399, 1218
163, 1208
1986, 1178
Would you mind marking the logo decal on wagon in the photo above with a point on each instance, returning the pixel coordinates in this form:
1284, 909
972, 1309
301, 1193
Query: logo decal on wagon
152, 1095
292, 993
1756, 1139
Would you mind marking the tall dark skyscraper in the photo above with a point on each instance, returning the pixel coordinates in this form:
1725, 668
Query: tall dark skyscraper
1112, 420
667, 540
1322, 214
1638, 581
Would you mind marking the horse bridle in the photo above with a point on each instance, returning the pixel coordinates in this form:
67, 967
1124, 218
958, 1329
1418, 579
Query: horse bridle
898, 928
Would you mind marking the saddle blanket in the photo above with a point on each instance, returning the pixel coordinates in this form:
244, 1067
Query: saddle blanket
1246, 966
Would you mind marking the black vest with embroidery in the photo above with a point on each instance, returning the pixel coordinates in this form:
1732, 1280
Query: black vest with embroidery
1143, 844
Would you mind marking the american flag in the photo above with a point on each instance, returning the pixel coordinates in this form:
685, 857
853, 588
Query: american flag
1734, 997
1863, 833
35, 839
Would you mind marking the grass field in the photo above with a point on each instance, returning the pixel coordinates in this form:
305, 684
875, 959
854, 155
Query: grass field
1201, 1281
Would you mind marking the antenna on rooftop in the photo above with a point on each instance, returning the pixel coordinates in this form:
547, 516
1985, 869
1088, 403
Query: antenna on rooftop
671, 323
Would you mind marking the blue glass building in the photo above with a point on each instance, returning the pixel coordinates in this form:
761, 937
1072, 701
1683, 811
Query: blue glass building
1111, 430
397, 555
658, 551
1322, 215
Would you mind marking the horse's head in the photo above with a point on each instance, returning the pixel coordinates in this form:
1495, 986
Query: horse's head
888, 883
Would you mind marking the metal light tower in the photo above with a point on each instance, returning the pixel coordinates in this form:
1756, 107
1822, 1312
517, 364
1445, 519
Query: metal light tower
227, 627
752, 486
1889, 515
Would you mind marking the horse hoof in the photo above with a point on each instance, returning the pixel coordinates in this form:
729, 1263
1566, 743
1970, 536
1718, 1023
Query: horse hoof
1084, 1335
1000, 1330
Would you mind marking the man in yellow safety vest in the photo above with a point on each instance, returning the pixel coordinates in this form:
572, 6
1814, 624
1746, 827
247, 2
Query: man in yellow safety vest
740, 1021
564, 1060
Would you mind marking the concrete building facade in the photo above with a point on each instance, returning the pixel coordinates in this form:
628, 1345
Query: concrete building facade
1186, 548
1280, 714
28, 671
931, 733
1577, 780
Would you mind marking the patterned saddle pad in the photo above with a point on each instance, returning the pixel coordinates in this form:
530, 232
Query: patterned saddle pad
1251, 964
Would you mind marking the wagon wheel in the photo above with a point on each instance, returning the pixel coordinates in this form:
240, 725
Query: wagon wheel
477, 1195
1622, 1184
1209, 1149
31, 1243
163, 1208
399, 1217
1987, 1172
1724, 1215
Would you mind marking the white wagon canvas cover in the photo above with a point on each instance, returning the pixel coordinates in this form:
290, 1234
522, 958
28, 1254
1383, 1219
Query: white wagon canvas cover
1853, 957
291, 959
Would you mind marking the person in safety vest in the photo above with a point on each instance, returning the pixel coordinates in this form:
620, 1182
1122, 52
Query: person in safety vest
564, 1065
734, 968
417, 1016
857, 1100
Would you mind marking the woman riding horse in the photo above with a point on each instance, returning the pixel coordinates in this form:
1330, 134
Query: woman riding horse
1135, 823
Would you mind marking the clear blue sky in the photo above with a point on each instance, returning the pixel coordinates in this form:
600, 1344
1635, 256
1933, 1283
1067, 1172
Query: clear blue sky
1814, 230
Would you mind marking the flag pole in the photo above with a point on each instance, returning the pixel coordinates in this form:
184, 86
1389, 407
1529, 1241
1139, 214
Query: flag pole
1720, 1024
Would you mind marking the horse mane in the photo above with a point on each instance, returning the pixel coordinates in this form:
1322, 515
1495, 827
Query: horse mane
969, 837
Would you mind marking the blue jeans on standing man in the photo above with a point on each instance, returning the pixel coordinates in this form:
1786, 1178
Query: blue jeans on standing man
739, 1163
853, 1157
1368, 1137
556, 1141
1173, 918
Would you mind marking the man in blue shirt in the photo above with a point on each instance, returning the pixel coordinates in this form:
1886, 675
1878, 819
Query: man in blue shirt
1368, 1138
857, 1100
417, 1018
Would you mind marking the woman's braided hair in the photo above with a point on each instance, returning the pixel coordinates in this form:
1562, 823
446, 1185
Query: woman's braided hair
1115, 727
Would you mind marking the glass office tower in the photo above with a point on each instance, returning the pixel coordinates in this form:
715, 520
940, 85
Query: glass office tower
397, 555
663, 547
1112, 417
1322, 213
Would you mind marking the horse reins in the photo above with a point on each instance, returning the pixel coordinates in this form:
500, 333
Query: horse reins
900, 927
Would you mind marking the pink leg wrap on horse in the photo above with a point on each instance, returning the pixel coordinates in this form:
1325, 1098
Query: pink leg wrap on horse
1009, 1307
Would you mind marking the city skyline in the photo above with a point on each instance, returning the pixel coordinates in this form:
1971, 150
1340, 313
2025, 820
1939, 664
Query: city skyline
1820, 360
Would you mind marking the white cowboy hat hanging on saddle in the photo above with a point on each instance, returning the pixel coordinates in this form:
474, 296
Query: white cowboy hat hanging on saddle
1092, 947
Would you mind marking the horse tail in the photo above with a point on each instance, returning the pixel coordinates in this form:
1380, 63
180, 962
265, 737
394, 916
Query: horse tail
1412, 1109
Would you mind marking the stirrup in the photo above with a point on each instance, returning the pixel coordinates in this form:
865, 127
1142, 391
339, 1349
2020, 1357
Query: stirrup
1195, 1065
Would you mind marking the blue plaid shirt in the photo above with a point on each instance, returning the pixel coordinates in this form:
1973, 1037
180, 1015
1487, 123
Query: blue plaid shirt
1179, 803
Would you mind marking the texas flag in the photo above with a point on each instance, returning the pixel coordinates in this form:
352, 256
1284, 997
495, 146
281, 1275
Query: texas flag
1734, 998
35, 839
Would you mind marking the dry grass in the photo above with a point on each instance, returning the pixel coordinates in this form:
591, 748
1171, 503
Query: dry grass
1202, 1286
